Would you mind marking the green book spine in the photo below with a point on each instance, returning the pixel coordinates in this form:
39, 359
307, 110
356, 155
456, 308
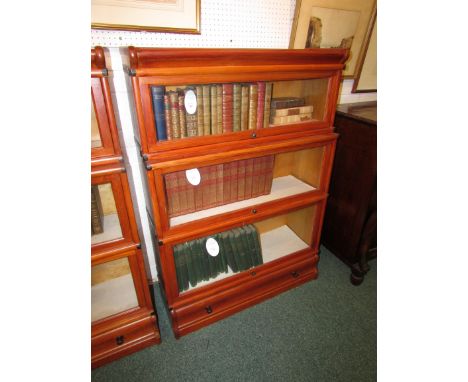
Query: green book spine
200, 110
248, 253
168, 115
185, 266
176, 256
239, 249
222, 253
235, 264
227, 250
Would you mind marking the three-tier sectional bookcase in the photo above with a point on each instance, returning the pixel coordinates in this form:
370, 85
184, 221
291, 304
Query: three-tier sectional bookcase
228, 186
123, 319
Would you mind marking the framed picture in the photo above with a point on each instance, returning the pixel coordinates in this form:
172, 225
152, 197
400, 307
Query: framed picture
332, 24
178, 16
366, 71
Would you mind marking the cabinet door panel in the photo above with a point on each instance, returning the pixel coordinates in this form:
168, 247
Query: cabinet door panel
244, 248
178, 115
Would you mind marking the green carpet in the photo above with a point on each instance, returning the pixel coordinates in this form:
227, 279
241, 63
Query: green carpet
324, 330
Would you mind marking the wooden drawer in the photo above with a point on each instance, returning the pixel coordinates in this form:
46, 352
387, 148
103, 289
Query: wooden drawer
205, 311
123, 340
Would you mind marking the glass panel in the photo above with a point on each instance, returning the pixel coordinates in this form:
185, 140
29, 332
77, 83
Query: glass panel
112, 289
234, 185
208, 259
213, 109
105, 224
95, 135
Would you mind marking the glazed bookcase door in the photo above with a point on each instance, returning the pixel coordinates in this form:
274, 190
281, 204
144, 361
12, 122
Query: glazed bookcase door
111, 225
179, 115
207, 194
113, 288
245, 250
102, 120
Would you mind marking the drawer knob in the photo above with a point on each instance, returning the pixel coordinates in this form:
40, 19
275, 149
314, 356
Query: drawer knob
253, 273
254, 135
295, 274
119, 340
208, 309
254, 211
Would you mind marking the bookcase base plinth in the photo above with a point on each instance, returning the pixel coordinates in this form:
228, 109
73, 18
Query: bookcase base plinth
203, 312
123, 341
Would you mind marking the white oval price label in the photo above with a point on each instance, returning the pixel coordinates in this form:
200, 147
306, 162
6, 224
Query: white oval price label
190, 102
212, 247
193, 176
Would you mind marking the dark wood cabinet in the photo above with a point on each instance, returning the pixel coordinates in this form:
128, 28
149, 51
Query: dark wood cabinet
287, 218
350, 224
123, 318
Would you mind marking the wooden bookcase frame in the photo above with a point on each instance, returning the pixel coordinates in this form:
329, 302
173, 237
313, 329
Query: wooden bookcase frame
165, 66
128, 331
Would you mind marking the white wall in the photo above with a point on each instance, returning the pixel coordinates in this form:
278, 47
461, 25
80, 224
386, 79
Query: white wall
224, 24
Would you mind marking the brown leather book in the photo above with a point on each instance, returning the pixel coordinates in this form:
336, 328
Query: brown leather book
283, 103
198, 190
257, 170
269, 167
219, 184
182, 192
172, 194
248, 178
200, 110
219, 108
268, 93
227, 107
206, 110
253, 101
209, 186
97, 215
236, 108
260, 103
241, 180
244, 107
234, 182
226, 182
191, 120
167, 113
174, 108
214, 109
182, 124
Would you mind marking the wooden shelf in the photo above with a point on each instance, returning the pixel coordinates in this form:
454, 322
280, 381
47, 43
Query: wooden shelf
281, 187
112, 296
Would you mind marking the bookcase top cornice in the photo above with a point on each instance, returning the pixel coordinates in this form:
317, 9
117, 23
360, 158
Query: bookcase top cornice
142, 60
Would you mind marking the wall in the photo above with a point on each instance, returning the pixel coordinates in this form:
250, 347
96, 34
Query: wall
224, 24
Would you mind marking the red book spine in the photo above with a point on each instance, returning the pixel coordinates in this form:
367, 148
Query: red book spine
227, 108
226, 183
234, 181
260, 104
248, 178
219, 184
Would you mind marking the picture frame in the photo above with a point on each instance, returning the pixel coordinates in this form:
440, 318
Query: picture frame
169, 16
366, 73
351, 17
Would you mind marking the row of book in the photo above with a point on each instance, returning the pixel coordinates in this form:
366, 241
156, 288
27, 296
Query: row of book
219, 184
97, 216
239, 249
211, 109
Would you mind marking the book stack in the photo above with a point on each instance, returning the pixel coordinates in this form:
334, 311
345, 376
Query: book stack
287, 110
210, 109
239, 250
97, 216
220, 184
